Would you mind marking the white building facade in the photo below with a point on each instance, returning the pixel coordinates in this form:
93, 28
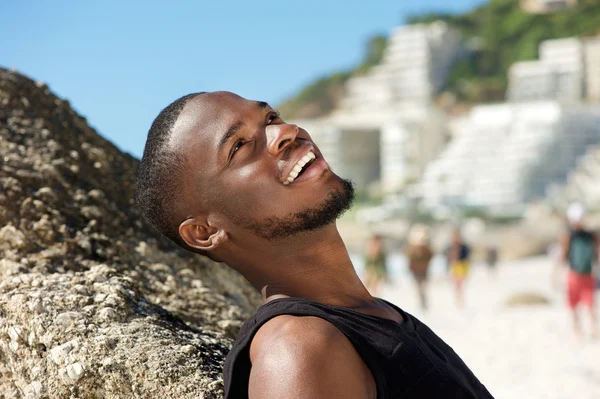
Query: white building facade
508, 154
414, 69
592, 68
558, 75
568, 71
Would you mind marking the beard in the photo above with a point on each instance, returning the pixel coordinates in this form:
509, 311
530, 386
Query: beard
336, 203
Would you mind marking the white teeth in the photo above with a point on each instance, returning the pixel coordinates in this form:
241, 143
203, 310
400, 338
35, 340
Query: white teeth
296, 170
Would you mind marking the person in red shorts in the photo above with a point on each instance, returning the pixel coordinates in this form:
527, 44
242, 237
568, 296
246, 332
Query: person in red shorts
580, 249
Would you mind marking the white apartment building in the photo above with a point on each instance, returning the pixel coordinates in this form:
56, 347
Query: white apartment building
568, 70
558, 75
386, 128
414, 69
407, 147
507, 154
530, 81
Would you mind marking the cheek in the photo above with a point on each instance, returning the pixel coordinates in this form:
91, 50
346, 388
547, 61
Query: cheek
252, 188
255, 191
252, 171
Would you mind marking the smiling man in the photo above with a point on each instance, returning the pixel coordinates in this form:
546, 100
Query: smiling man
227, 178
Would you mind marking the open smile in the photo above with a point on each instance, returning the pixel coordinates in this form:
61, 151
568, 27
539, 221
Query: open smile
305, 168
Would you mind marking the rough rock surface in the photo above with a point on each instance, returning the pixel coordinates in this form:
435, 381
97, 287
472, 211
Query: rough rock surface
93, 302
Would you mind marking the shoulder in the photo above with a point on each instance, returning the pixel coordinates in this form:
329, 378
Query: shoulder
286, 331
307, 356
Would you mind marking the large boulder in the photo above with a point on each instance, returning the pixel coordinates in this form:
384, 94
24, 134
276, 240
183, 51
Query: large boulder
93, 302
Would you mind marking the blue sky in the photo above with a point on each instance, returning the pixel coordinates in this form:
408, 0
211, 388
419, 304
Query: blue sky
120, 62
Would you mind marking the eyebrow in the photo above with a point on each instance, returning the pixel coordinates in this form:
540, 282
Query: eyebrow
230, 133
237, 126
262, 104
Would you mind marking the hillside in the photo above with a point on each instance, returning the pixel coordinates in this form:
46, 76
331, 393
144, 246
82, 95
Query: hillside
321, 96
93, 302
499, 33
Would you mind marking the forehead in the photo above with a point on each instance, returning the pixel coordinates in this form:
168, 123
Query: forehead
208, 115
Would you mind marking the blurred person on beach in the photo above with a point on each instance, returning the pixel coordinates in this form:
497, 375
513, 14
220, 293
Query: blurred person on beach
227, 178
457, 256
375, 264
580, 254
491, 258
419, 254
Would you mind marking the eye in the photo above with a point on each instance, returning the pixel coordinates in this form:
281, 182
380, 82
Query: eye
237, 146
272, 117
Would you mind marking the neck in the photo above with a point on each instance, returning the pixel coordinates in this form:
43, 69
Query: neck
314, 265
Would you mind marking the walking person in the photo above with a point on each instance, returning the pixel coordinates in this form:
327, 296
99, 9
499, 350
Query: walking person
419, 256
457, 256
580, 249
491, 258
375, 264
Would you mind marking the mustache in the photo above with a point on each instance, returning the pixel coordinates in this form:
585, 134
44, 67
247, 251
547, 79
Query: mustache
287, 154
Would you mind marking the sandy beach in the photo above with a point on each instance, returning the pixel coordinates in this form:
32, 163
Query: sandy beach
524, 351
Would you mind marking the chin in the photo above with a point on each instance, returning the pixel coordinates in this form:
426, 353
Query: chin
317, 210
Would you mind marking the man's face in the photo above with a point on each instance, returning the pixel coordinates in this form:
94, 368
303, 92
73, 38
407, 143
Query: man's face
265, 176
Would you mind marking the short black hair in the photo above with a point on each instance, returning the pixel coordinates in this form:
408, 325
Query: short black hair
159, 173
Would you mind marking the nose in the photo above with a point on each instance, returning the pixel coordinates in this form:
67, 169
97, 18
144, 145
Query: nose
279, 137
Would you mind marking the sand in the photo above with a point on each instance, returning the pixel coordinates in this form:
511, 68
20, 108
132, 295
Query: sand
525, 351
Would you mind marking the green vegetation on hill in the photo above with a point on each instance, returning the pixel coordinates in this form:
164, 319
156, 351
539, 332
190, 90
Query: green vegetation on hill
499, 33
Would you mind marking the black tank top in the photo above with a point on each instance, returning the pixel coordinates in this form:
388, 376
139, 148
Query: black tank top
407, 359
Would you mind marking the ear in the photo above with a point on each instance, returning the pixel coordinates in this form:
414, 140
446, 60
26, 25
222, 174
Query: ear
198, 234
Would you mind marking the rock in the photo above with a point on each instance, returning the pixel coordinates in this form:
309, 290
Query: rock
10, 268
108, 314
11, 238
231, 327
526, 299
66, 319
74, 371
59, 354
93, 302
46, 194
34, 390
14, 333
13, 346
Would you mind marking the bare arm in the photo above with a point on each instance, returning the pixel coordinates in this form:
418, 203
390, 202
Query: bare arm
306, 357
